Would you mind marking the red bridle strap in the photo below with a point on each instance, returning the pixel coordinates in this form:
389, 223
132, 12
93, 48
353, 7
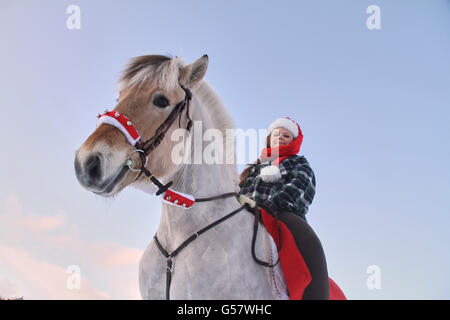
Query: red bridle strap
122, 123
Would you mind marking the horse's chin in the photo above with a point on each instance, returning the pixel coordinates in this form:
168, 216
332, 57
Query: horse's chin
110, 194
113, 185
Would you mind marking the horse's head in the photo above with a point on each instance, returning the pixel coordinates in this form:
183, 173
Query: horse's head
150, 88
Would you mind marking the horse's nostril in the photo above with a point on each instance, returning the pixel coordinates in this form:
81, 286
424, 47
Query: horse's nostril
93, 168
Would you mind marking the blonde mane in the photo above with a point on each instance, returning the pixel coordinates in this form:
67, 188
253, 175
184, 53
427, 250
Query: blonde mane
218, 118
208, 97
163, 71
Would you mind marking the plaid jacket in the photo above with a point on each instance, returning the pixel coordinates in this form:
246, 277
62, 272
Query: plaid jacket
294, 192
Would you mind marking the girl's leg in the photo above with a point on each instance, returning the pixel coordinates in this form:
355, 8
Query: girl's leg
311, 249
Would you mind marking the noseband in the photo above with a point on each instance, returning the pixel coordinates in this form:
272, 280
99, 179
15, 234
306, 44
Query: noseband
144, 148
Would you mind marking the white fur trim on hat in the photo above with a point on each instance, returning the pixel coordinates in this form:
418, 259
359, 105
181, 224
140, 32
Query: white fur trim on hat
270, 174
285, 123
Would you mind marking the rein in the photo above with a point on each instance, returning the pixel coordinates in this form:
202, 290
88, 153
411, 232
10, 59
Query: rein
171, 255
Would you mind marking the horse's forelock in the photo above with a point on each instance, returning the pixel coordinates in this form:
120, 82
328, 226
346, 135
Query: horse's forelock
162, 71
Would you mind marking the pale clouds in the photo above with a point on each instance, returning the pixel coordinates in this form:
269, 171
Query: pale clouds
8, 289
113, 255
20, 224
43, 280
108, 270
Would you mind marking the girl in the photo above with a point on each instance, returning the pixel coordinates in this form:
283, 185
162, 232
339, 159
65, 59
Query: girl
285, 183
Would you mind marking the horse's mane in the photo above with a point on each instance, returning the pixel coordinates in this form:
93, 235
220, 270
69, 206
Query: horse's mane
220, 119
158, 69
219, 113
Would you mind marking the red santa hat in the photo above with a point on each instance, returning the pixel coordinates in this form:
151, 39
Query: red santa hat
286, 123
272, 173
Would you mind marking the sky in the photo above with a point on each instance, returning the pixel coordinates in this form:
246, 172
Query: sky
373, 105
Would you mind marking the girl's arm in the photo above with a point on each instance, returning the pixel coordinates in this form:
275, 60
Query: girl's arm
298, 190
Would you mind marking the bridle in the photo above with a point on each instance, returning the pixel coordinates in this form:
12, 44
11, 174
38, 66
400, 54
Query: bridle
144, 148
148, 146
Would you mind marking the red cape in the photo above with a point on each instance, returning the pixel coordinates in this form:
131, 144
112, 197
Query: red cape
294, 267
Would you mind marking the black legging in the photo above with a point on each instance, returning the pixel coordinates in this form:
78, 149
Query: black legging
311, 249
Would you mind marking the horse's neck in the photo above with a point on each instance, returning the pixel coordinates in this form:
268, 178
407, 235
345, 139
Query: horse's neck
200, 180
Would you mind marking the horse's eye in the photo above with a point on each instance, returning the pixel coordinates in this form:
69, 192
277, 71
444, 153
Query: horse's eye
161, 101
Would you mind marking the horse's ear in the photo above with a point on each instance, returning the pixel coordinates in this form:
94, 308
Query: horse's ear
192, 74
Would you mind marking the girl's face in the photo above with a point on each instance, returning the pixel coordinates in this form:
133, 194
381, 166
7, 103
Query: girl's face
280, 137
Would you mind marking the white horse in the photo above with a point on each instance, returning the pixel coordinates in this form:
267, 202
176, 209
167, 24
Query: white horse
219, 263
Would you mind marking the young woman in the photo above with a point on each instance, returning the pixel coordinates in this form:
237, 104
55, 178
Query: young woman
284, 182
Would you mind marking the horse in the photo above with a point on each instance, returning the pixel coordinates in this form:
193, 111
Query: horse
218, 263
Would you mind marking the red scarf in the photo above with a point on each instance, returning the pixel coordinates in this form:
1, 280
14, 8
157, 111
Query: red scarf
282, 152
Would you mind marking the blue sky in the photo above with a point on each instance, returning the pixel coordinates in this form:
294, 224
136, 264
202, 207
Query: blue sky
373, 106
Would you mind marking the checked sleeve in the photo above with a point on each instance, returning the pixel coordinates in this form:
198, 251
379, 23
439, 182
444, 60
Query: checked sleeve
298, 191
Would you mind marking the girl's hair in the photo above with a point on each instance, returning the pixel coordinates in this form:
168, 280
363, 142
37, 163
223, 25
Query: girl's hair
246, 172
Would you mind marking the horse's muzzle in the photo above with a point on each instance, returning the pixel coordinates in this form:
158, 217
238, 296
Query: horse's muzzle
89, 173
92, 176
